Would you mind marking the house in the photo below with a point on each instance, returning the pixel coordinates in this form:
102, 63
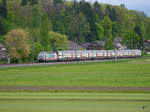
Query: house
85, 45
74, 46
2, 51
146, 45
117, 42
96, 45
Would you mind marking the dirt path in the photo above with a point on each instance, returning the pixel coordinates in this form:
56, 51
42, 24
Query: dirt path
77, 88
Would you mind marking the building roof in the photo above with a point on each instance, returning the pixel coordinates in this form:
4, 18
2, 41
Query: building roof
95, 43
2, 46
147, 41
74, 46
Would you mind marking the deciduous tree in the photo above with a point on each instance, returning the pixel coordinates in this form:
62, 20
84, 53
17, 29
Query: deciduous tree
107, 25
45, 28
24, 2
58, 41
131, 39
100, 31
17, 44
78, 28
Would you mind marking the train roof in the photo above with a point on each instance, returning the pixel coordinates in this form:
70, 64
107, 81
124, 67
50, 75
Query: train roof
96, 51
88, 51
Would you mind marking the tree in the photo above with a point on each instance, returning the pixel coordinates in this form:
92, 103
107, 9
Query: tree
80, 21
6, 23
17, 44
37, 48
56, 2
45, 28
3, 9
78, 28
90, 15
100, 31
131, 39
37, 13
24, 2
140, 30
60, 21
58, 41
121, 17
111, 12
34, 2
147, 27
107, 25
98, 9
23, 16
3, 16
116, 29
122, 5
35, 38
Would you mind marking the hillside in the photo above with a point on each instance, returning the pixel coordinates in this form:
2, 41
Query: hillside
79, 22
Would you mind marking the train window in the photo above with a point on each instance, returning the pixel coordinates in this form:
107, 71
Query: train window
73, 54
126, 53
113, 53
101, 54
51, 55
105, 53
90, 54
61, 55
78, 55
84, 54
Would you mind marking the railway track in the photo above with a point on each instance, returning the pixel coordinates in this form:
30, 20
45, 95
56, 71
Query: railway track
55, 63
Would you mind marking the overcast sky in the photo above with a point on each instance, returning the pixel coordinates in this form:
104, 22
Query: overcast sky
141, 5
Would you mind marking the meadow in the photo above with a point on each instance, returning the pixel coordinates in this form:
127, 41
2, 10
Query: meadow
127, 73
74, 102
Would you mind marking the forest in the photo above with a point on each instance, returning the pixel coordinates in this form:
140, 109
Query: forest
28, 27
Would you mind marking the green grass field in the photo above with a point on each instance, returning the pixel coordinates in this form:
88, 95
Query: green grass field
74, 102
129, 73
126, 73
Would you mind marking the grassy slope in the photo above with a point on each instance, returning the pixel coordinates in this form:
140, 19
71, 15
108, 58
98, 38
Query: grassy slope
37, 102
133, 73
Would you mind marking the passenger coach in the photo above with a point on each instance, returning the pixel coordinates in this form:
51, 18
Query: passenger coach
87, 55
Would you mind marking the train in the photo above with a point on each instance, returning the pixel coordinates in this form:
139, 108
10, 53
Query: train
87, 55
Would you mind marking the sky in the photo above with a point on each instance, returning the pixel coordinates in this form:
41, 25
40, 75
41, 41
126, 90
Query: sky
141, 5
